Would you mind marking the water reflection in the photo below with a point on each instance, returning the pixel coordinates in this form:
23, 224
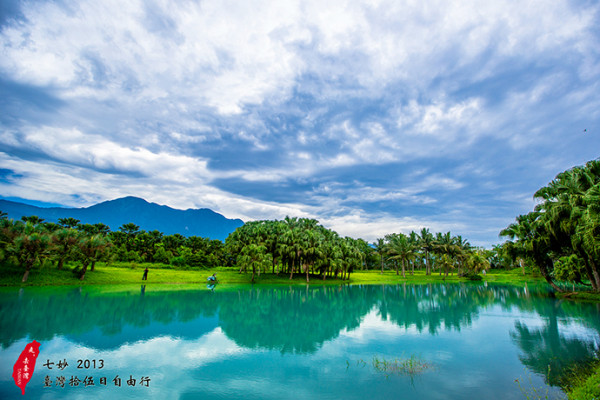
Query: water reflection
205, 325
546, 349
291, 319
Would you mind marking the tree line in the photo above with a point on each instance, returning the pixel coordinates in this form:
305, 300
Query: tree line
302, 246
561, 235
289, 246
32, 241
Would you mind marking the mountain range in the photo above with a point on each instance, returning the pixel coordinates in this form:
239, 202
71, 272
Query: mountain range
148, 216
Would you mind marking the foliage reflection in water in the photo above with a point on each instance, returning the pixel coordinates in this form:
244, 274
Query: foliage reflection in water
425, 341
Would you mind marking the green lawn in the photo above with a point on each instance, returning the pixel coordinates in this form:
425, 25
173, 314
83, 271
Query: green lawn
128, 273
131, 273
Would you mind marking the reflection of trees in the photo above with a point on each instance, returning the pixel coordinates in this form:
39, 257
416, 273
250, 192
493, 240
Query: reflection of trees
545, 350
295, 319
434, 305
44, 313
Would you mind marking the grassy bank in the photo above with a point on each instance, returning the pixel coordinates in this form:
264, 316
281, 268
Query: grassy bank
128, 273
131, 273
584, 382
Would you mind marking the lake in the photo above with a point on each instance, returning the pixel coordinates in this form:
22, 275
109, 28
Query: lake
433, 341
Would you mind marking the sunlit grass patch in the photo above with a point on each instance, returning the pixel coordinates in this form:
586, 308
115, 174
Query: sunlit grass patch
401, 366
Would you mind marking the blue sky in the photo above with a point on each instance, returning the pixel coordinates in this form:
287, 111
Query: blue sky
371, 116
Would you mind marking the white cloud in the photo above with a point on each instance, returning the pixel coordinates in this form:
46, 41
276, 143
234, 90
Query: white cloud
371, 227
230, 56
98, 153
161, 89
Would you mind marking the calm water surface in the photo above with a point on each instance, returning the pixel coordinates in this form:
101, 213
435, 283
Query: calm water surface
294, 343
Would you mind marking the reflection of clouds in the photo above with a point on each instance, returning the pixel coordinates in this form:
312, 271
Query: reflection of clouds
158, 352
374, 327
166, 360
479, 361
173, 352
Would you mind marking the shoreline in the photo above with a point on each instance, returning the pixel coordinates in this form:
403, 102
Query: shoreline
159, 274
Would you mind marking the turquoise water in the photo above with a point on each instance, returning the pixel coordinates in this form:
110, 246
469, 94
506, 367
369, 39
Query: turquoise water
263, 342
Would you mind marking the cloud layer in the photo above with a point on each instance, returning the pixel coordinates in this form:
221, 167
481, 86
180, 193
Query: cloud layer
373, 117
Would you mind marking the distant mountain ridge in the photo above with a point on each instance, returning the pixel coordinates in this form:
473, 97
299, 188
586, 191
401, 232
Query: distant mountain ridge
148, 216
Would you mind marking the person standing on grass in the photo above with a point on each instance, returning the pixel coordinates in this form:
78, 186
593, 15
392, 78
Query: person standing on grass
145, 277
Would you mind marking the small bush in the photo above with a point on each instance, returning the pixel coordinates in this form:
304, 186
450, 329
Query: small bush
470, 276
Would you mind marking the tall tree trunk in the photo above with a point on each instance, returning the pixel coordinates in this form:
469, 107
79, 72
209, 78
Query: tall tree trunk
548, 278
83, 270
589, 272
596, 275
403, 270
28, 265
26, 274
590, 267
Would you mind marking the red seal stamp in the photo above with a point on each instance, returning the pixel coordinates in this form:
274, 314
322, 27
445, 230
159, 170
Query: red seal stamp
23, 369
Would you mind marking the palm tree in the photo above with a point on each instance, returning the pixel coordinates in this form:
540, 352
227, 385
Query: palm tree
567, 215
522, 231
463, 251
28, 245
446, 245
254, 256
64, 241
535, 239
413, 239
426, 243
477, 262
91, 249
331, 252
130, 230
351, 256
68, 222
272, 243
312, 249
401, 249
33, 219
381, 248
